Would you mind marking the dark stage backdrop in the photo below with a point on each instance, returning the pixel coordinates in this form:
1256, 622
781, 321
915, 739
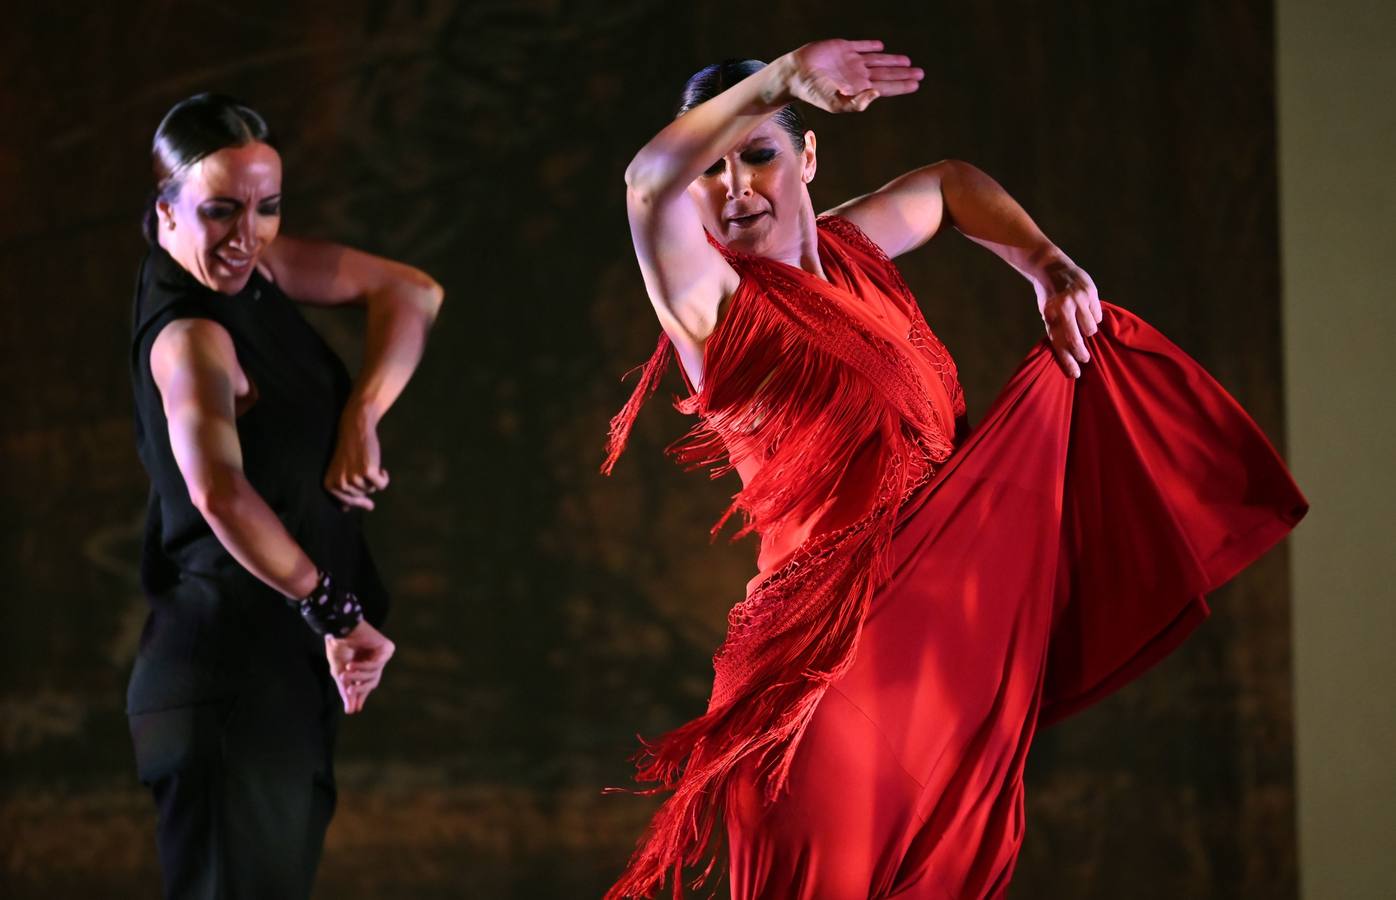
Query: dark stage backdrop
544, 614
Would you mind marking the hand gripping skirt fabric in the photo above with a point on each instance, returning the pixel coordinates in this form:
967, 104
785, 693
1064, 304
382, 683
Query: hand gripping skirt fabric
1064, 548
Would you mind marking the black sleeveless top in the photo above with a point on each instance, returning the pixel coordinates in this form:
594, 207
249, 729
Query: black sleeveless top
211, 619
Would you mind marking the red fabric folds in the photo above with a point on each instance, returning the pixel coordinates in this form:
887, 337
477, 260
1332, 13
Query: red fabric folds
840, 410
1170, 491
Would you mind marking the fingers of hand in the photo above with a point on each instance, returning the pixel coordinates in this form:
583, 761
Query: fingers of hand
364, 682
351, 498
339, 654
1074, 342
1068, 341
1066, 363
348, 690
356, 685
898, 88
1086, 319
882, 60
883, 74
860, 101
344, 490
345, 695
1090, 296
361, 693
361, 675
364, 669
865, 46
1061, 318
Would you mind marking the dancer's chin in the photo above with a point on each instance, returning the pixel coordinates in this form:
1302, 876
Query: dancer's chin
748, 240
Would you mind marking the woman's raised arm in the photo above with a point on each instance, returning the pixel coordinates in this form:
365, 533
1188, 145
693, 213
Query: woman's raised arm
402, 303
686, 278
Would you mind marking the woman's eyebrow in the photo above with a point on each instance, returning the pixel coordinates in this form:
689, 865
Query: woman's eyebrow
236, 201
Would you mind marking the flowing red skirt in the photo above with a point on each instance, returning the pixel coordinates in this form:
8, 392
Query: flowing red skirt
1062, 550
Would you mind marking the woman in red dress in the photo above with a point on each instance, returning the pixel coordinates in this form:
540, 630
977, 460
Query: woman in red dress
927, 596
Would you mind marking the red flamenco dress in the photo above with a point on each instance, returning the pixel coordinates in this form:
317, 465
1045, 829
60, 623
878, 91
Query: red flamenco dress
926, 597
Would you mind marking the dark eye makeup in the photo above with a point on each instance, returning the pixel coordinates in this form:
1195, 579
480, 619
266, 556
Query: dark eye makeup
218, 210
755, 157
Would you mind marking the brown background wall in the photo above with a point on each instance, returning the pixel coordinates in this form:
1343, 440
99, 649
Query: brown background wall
543, 614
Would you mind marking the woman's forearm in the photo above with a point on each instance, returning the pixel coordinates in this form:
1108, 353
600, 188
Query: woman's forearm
687, 146
982, 211
1067, 298
253, 534
399, 316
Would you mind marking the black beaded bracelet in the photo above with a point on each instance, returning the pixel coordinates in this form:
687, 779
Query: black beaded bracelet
330, 608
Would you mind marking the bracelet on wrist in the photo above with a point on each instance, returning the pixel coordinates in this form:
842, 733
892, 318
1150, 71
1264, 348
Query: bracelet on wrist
330, 609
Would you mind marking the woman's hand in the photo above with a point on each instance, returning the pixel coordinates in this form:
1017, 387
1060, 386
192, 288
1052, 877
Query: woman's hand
355, 470
1070, 308
356, 662
845, 76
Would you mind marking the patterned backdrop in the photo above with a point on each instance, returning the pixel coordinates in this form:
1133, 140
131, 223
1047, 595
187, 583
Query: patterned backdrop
544, 614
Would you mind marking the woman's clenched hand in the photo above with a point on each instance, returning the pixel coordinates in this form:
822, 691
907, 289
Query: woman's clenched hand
1070, 308
356, 663
356, 469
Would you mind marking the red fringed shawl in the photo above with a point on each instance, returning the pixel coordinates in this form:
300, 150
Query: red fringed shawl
834, 402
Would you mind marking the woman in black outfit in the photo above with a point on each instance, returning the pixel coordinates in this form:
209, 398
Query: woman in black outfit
261, 452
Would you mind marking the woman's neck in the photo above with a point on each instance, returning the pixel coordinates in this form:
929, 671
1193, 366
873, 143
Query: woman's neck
803, 252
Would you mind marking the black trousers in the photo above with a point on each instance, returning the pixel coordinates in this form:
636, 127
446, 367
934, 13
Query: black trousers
244, 787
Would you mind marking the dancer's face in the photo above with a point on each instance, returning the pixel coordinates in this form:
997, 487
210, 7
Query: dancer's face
227, 212
752, 198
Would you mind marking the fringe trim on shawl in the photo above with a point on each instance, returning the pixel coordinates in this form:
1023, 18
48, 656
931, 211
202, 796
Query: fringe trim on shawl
624, 421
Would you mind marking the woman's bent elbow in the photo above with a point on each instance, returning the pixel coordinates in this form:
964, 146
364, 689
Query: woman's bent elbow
646, 180
217, 498
433, 295
422, 291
